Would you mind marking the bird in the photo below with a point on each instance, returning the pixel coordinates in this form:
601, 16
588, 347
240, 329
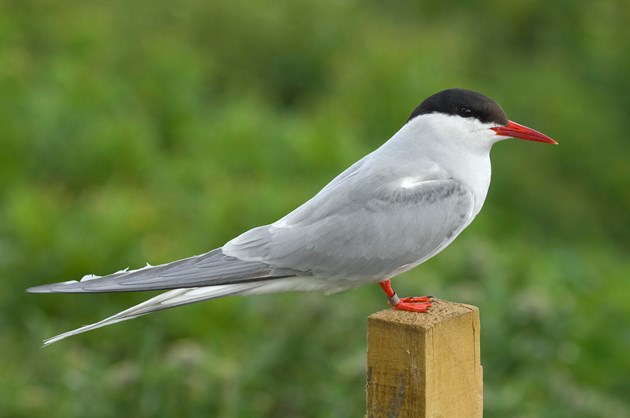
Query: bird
392, 210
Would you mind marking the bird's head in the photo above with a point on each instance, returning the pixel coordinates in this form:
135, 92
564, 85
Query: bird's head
471, 120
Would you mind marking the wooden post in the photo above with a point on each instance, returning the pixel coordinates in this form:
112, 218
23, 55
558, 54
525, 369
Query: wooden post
425, 365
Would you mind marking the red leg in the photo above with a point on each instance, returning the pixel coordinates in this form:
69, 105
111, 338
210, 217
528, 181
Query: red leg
411, 304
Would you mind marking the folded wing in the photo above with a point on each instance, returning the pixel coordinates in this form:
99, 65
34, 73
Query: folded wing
211, 269
374, 229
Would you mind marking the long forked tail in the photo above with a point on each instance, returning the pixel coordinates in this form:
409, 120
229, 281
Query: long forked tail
166, 300
195, 279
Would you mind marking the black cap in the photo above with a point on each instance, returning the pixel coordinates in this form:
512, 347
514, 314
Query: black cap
464, 103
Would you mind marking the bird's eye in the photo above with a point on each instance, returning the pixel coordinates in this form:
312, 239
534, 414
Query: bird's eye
465, 112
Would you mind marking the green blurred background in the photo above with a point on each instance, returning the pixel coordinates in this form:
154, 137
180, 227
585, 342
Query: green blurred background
146, 131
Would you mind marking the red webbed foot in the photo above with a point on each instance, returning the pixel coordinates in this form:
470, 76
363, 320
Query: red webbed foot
415, 306
410, 304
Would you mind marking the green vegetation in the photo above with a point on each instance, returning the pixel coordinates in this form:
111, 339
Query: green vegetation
135, 131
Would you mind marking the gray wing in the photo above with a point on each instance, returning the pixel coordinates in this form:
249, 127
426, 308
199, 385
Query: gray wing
369, 228
361, 225
210, 269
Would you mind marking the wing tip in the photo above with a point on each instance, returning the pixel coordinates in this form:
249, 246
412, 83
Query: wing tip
63, 287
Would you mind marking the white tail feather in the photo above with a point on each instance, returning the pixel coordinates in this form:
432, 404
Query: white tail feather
165, 300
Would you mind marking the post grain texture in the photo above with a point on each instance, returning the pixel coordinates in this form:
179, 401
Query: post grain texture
423, 365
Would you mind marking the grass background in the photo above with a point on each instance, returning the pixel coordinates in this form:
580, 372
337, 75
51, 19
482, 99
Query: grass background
153, 130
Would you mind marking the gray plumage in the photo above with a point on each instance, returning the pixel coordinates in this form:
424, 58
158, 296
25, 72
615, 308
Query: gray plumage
210, 269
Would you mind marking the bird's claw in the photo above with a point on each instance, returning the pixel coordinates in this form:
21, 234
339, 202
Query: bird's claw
413, 304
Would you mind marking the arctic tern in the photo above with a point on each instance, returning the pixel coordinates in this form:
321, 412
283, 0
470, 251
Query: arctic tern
387, 213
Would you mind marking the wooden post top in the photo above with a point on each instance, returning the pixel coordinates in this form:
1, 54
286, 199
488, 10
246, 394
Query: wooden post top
423, 365
441, 311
